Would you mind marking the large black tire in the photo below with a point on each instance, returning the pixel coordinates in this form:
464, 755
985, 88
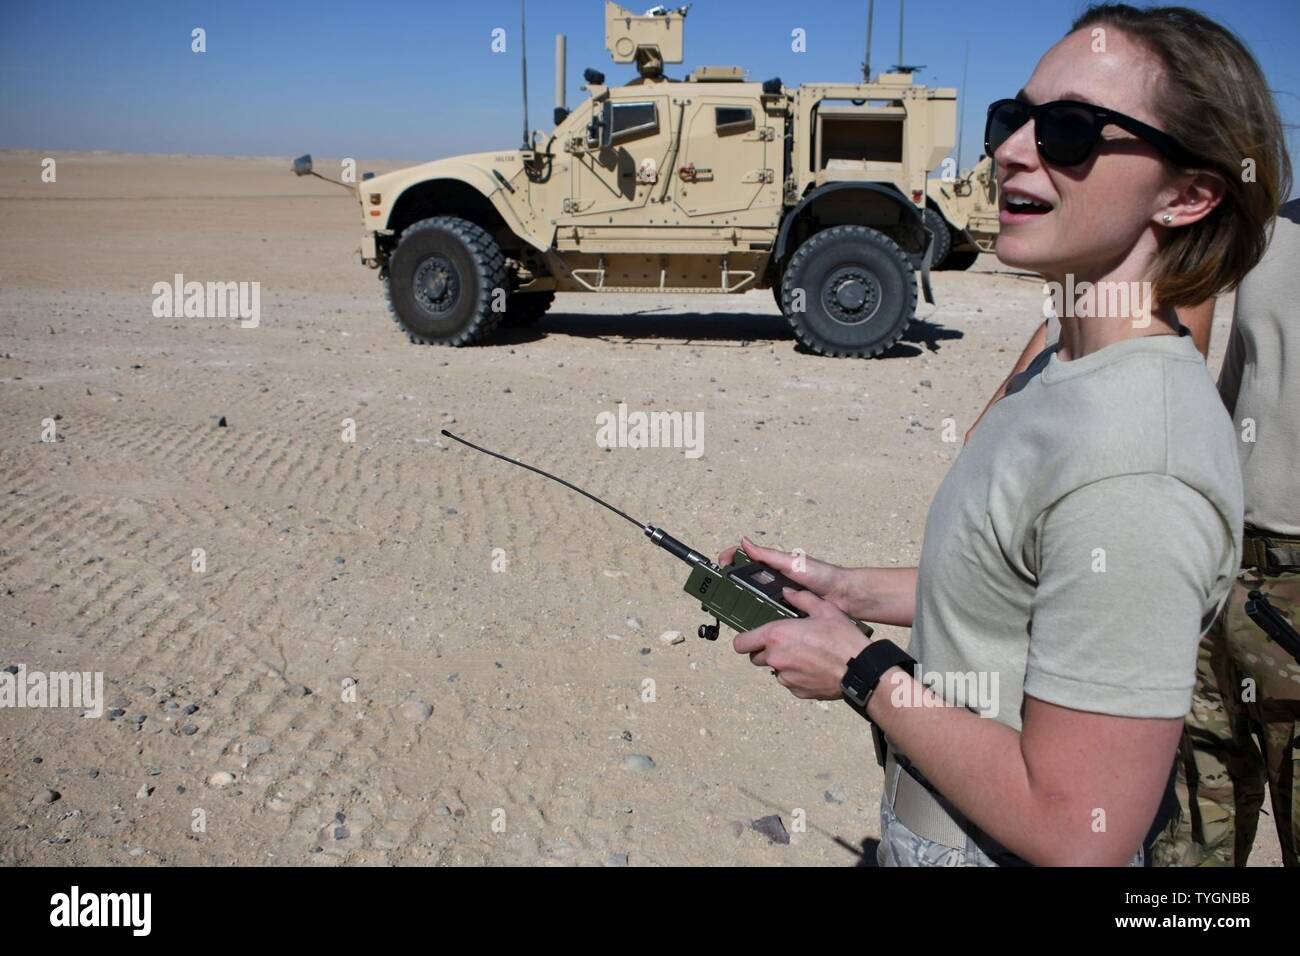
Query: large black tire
935, 222
443, 280
527, 308
962, 259
859, 292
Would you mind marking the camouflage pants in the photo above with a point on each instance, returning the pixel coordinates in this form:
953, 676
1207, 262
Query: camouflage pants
1241, 734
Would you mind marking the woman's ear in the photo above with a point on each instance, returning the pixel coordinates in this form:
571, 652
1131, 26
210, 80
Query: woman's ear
1195, 196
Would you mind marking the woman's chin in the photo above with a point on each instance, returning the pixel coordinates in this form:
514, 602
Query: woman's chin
1021, 255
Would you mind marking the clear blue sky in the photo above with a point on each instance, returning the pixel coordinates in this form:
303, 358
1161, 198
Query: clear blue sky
416, 79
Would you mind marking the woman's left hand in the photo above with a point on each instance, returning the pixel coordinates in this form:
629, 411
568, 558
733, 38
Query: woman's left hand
808, 654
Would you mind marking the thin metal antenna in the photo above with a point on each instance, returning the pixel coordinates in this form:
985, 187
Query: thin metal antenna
961, 120
900, 33
523, 46
546, 474
871, 20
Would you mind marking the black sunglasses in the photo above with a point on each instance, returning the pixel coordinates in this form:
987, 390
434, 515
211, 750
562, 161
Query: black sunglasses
1068, 131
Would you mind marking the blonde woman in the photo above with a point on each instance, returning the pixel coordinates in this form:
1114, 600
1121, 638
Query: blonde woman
1089, 531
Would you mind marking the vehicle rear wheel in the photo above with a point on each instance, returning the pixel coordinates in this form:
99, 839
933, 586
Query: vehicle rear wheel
935, 222
857, 290
962, 258
444, 278
527, 308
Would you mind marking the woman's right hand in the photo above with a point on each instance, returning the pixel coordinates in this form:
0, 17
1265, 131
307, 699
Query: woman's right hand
829, 581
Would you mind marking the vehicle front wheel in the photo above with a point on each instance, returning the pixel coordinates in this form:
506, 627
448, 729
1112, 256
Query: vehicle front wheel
446, 282
935, 222
849, 291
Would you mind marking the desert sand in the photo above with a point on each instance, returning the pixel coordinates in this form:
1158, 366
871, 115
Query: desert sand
403, 652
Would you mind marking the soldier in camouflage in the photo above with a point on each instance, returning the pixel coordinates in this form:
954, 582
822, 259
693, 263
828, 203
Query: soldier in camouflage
1248, 687
1246, 684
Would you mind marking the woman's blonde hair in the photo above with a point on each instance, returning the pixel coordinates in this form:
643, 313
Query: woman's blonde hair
1215, 101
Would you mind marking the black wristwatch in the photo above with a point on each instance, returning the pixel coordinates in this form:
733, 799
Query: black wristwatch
865, 670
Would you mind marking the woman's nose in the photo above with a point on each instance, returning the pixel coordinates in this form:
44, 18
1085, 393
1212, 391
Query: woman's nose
1020, 149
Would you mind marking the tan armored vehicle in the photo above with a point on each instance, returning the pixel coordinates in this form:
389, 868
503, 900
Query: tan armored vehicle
708, 184
963, 215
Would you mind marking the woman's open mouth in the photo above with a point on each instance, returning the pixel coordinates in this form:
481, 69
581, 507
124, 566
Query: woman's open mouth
1016, 206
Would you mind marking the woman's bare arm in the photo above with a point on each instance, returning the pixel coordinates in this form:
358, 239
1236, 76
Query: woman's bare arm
882, 595
1071, 787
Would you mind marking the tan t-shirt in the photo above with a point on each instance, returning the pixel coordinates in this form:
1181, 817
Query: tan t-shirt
1260, 380
1085, 538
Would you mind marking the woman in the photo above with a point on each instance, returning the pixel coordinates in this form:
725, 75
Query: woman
1086, 535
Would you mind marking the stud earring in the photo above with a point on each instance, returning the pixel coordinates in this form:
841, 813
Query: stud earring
1168, 217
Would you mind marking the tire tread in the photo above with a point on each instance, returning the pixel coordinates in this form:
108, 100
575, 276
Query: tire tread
490, 263
810, 248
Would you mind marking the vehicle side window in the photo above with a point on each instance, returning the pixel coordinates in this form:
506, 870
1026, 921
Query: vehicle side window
632, 120
733, 119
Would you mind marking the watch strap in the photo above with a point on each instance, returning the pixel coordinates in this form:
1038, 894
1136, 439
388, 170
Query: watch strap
866, 670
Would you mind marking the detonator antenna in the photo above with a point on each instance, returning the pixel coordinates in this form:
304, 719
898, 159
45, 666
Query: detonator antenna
546, 474
744, 595
656, 535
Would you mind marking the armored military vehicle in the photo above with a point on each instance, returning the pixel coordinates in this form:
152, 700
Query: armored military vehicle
708, 184
962, 212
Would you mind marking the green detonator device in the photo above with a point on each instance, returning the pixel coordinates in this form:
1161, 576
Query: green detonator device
743, 595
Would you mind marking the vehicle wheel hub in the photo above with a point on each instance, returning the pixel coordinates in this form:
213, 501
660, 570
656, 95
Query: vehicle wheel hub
851, 295
436, 285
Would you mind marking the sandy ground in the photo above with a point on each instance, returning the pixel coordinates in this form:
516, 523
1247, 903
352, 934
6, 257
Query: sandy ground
499, 632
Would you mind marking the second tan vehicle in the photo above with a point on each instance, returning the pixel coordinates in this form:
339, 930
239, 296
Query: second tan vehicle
710, 185
963, 215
